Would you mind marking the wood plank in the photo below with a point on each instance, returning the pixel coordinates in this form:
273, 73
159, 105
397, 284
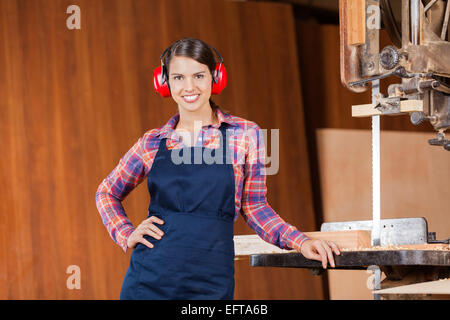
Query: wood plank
424, 246
351, 239
430, 287
368, 110
348, 239
253, 244
356, 21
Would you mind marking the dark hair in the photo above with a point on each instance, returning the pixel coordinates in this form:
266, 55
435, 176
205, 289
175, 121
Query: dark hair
195, 49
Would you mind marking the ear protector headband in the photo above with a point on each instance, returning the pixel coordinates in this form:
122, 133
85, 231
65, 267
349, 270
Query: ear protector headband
161, 78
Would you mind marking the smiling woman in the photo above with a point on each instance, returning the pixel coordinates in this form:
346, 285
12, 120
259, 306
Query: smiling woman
190, 85
191, 75
190, 255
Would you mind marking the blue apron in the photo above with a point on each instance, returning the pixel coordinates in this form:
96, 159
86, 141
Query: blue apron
195, 257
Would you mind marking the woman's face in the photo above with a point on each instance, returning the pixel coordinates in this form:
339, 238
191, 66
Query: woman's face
190, 83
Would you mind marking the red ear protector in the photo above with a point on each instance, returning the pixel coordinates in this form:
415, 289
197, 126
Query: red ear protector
161, 80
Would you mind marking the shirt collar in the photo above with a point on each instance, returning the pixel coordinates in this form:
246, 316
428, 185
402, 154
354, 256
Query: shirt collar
168, 129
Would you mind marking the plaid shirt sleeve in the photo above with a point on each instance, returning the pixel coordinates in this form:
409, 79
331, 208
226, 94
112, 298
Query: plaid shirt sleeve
255, 209
115, 187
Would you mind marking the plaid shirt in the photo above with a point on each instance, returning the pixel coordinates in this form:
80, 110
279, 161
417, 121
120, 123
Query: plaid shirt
247, 152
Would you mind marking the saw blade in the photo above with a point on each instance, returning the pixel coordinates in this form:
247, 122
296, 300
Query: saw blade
376, 193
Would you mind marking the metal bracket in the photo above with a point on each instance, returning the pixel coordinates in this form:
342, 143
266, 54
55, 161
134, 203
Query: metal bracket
388, 105
393, 231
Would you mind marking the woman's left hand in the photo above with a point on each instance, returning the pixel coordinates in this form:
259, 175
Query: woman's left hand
321, 250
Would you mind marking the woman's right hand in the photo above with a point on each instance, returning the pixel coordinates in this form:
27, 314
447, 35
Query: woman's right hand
145, 228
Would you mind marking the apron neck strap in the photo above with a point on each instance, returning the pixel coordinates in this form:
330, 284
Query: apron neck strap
223, 131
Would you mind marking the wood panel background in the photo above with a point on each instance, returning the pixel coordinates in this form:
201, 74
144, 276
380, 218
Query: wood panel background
72, 102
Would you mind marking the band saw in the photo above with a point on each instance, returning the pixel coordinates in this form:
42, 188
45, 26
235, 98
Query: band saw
404, 249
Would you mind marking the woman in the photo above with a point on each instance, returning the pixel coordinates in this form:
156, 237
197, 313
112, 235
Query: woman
185, 249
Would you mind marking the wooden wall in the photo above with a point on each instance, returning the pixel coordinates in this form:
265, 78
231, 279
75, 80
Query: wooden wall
72, 102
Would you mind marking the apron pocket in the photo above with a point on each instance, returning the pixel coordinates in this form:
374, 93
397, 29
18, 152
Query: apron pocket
189, 255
